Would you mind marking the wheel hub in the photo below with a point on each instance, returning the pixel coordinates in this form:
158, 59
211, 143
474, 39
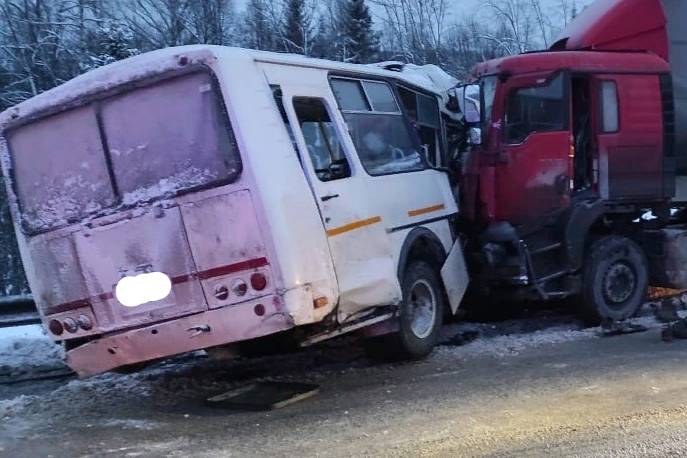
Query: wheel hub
619, 283
423, 309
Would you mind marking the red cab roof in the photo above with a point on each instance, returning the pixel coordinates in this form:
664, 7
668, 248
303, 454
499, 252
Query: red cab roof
581, 61
618, 25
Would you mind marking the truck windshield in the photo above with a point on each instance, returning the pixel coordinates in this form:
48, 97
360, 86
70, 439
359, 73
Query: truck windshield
147, 143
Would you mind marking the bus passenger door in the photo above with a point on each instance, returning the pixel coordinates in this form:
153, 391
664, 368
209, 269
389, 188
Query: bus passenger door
358, 243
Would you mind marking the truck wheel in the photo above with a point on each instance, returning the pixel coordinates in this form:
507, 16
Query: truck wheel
420, 316
615, 280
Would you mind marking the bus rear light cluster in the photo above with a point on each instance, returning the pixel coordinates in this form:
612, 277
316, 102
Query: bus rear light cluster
70, 325
240, 288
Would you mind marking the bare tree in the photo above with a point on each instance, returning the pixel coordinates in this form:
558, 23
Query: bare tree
258, 30
414, 30
517, 18
159, 23
211, 21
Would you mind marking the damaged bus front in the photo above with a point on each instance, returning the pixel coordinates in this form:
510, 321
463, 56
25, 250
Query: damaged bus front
161, 208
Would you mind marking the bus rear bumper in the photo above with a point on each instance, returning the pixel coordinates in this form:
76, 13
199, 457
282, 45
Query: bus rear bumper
230, 324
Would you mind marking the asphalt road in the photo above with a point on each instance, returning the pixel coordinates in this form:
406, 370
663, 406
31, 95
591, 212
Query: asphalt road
585, 396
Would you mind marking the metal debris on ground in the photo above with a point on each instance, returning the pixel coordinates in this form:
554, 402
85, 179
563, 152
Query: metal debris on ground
666, 310
262, 396
618, 328
677, 330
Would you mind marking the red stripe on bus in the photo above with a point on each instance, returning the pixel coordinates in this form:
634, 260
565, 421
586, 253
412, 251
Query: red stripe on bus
204, 275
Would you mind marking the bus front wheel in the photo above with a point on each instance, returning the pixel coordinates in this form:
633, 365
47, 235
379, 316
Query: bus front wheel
420, 316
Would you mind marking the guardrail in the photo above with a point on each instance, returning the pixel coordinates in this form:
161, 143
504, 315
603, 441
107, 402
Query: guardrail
18, 310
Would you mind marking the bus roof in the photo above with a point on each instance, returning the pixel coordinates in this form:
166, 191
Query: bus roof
120, 73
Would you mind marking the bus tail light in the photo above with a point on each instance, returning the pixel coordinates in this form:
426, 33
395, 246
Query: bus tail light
70, 325
258, 281
240, 288
56, 327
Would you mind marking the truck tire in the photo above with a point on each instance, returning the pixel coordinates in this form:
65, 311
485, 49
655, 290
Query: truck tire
420, 317
615, 280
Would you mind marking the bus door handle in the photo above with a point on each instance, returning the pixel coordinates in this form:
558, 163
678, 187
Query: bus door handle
329, 197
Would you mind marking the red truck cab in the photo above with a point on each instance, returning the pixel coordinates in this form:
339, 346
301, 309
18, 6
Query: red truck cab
563, 123
576, 144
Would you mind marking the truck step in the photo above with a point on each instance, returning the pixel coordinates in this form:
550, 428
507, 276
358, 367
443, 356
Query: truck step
558, 294
546, 248
552, 276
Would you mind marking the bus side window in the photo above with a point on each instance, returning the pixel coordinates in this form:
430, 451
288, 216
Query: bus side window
380, 133
423, 112
322, 140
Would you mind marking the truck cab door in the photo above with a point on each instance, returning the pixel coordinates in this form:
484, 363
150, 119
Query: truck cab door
630, 135
533, 173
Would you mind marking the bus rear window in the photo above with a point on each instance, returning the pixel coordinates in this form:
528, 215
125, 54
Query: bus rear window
60, 169
169, 137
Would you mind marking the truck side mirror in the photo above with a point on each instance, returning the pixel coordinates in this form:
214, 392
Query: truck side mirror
472, 115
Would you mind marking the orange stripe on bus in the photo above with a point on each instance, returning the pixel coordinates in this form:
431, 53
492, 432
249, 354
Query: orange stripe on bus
353, 226
424, 211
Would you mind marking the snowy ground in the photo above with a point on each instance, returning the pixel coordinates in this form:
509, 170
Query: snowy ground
121, 413
27, 350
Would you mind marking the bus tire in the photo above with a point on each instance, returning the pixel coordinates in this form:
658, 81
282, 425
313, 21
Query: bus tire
615, 280
420, 317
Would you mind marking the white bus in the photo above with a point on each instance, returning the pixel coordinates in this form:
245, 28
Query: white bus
198, 197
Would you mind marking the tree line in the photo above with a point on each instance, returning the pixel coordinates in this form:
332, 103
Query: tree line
44, 43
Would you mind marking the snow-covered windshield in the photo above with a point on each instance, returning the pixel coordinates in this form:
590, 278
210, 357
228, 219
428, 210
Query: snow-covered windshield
161, 139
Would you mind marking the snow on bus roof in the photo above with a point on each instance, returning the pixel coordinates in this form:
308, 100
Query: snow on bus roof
104, 78
110, 76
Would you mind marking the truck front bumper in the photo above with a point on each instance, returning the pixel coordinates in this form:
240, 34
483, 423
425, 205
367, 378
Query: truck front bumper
230, 324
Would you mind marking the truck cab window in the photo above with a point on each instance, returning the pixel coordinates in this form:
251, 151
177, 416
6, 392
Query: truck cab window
381, 136
423, 112
609, 107
321, 139
536, 109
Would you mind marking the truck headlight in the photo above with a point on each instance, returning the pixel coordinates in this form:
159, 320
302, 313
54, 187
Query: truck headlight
142, 289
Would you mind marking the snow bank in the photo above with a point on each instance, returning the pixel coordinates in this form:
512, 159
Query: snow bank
27, 346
